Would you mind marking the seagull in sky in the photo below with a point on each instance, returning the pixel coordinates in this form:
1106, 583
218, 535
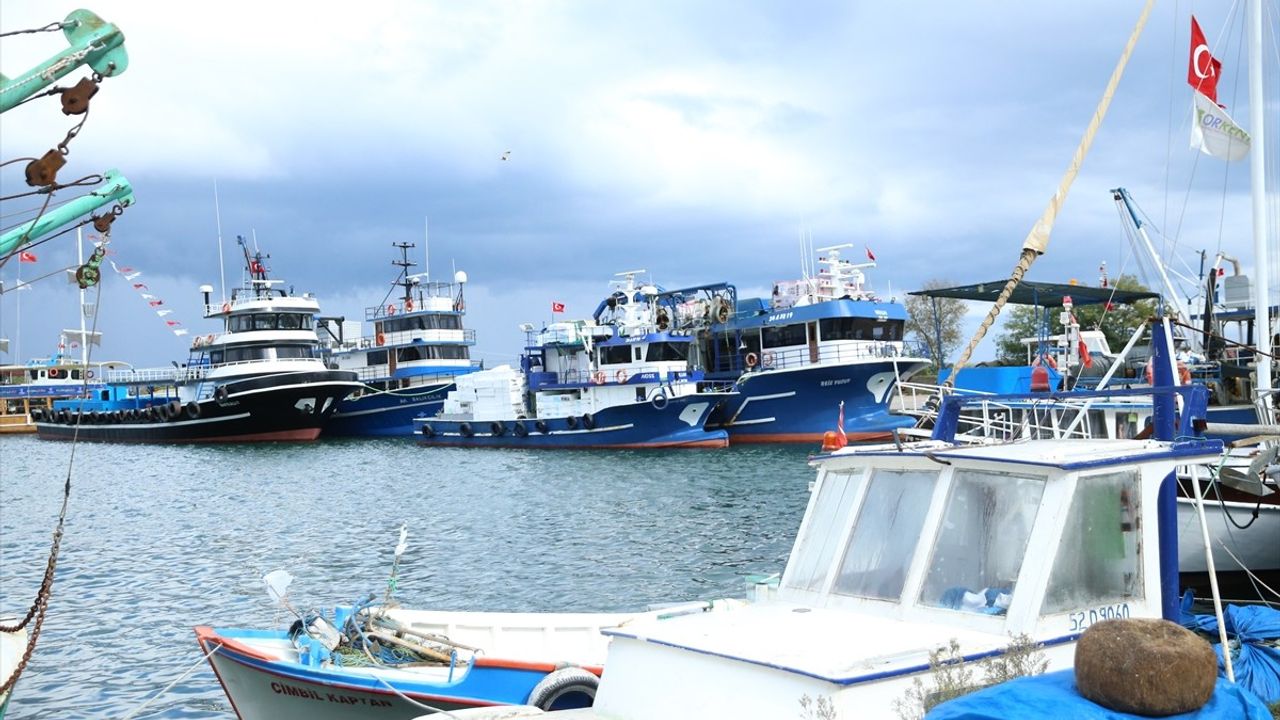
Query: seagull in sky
506, 155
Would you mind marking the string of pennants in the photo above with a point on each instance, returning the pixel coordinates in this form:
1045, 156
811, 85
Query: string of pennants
157, 305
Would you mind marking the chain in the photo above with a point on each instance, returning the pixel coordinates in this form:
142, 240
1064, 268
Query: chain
40, 607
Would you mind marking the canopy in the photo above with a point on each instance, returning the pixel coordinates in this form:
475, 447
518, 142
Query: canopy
1041, 294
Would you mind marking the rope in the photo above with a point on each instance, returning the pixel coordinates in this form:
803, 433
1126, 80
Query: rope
176, 680
411, 701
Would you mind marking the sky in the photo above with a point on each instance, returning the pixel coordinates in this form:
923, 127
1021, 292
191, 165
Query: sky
698, 141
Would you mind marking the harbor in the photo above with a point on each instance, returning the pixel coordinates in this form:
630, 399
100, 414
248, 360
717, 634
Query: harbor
629, 402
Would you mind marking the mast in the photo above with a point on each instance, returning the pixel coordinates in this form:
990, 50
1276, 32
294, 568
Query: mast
84, 339
217, 213
405, 263
1257, 172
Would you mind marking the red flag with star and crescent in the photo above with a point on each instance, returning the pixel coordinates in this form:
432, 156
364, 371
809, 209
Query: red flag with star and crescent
1204, 68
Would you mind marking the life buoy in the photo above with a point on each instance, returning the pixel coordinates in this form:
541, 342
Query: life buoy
226, 307
497, 429
598, 378
659, 400
208, 339
568, 687
192, 409
428, 431
752, 359
380, 339
465, 430
408, 305
589, 421
620, 376
722, 312
88, 374
519, 430
55, 373
391, 309
541, 426
768, 359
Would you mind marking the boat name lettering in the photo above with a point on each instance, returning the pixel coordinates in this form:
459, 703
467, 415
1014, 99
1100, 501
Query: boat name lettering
283, 689
1084, 618
829, 383
779, 316
636, 339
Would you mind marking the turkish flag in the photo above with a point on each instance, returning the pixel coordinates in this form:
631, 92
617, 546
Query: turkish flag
870, 255
26, 257
557, 307
1204, 68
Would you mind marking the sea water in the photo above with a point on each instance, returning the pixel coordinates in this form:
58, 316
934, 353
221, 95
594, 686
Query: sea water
162, 538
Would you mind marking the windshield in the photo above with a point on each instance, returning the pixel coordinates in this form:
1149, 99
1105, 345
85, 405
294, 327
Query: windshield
886, 533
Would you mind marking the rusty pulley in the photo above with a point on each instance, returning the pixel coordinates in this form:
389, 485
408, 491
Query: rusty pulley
44, 172
75, 100
102, 223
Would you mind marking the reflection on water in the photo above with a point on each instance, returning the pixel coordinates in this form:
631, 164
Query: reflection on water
160, 539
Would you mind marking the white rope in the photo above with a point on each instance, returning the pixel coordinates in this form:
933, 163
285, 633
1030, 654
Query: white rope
1247, 571
411, 701
169, 687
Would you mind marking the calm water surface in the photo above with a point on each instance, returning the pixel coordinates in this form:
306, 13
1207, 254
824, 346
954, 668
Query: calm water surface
160, 539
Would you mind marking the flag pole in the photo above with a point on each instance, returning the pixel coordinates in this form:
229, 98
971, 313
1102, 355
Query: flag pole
84, 340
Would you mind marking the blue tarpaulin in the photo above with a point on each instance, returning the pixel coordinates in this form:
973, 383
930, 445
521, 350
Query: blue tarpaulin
1054, 695
1249, 628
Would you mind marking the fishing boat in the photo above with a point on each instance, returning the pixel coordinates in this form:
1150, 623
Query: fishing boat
816, 342
583, 384
377, 658
35, 386
260, 378
907, 547
408, 362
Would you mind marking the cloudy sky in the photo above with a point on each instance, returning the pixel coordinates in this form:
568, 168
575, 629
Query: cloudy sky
696, 140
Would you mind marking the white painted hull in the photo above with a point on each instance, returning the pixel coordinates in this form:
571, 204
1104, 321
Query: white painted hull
1257, 547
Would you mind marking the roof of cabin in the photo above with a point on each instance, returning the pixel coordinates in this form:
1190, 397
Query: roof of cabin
1040, 294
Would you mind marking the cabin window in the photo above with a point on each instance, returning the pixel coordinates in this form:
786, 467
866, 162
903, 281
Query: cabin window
431, 352
816, 548
1100, 556
615, 354
215, 357
377, 357
421, 322
284, 352
772, 337
667, 352
290, 321
979, 550
857, 328
264, 322
884, 538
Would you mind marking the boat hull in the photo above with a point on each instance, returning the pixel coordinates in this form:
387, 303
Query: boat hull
680, 423
387, 414
261, 687
800, 405
1257, 546
288, 407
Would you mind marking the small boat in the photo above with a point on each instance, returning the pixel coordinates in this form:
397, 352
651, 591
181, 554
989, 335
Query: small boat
379, 659
408, 363
585, 385
12, 646
36, 385
261, 378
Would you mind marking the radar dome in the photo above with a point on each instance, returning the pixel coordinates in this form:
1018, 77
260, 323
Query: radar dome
460, 277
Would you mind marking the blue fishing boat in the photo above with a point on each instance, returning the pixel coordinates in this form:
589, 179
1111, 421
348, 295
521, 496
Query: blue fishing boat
585, 385
815, 343
408, 361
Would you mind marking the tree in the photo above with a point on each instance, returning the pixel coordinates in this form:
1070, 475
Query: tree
936, 321
1117, 324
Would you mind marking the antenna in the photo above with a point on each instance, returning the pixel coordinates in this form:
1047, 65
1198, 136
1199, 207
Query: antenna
426, 248
217, 214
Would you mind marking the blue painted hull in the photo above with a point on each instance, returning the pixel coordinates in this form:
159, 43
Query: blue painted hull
386, 414
801, 405
679, 424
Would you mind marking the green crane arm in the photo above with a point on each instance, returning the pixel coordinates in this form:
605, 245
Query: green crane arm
92, 40
114, 188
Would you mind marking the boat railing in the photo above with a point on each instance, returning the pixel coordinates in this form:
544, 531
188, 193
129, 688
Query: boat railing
190, 373
834, 354
239, 301
631, 375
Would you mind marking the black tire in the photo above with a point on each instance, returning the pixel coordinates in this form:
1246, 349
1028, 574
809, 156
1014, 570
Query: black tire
465, 429
37, 414
541, 426
519, 430
173, 409
589, 421
192, 409
117, 415
220, 393
571, 421
660, 400
564, 689
428, 431
497, 429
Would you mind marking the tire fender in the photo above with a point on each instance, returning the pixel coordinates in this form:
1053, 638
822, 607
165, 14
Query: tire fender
568, 687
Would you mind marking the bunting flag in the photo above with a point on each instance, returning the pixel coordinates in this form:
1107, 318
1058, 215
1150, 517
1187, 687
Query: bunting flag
128, 273
841, 437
